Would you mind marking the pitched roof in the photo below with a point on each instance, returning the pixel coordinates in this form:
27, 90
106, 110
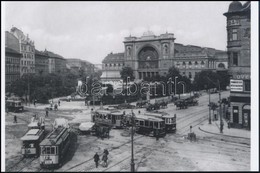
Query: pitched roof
52, 55
117, 57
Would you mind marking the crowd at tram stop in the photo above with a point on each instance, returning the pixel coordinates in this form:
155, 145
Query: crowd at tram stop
104, 158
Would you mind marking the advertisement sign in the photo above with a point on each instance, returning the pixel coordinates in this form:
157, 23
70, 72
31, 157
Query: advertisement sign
236, 85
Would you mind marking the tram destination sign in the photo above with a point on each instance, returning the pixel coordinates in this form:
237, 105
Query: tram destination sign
236, 85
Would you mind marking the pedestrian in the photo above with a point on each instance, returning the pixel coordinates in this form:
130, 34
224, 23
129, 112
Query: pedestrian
96, 159
104, 159
59, 102
55, 107
106, 152
15, 119
157, 135
139, 112
47, 112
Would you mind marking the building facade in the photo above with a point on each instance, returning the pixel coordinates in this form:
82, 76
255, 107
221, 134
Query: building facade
12, 65
27, 49
57, 64
76, 65
41, 62
152, 55
111, 66
239, 58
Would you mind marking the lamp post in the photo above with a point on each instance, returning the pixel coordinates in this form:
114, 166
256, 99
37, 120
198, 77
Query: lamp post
132, 146
175, 84
209, 107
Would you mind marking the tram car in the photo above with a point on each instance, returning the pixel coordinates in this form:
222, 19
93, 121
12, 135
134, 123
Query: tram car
54, 147
31, 141
147, 125
14, 105
112, 118
170, 120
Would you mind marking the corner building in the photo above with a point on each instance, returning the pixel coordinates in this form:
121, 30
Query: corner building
239, 58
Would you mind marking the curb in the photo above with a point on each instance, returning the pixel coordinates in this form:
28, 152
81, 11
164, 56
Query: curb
222, 134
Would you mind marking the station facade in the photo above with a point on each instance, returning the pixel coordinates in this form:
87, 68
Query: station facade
151, 55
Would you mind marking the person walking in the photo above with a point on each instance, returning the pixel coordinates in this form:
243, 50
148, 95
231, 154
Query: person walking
47, 112
55, 107
96, 159
15, 119
104, 159
59, 102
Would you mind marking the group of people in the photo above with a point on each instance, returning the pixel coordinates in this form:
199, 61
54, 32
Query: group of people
104, 158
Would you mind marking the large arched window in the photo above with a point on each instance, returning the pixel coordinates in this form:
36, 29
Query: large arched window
148, 58
221, 65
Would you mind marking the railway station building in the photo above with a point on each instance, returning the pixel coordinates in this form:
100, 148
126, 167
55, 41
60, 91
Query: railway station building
151, 55
239, 58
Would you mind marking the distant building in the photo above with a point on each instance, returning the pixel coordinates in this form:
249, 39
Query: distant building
239, 58
152, 55
57, 64
41, 62
77, 66
111, 66
12, 65
26, 48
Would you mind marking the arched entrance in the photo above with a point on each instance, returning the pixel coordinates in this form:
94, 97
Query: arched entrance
246, 116
148, 62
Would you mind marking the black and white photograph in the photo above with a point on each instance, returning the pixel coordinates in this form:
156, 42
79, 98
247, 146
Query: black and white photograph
129, 86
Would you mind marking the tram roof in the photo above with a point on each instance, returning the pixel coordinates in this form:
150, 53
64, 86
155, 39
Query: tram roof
146, 117
163, 115
32, 135
54, 137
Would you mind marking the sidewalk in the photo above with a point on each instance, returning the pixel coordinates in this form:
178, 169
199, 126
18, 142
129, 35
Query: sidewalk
214, 128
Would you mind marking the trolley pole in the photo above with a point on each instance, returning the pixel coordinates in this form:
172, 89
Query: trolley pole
132, 146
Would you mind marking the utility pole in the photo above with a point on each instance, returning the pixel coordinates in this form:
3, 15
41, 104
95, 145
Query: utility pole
220, 112
28, 90
209, 109
132, 146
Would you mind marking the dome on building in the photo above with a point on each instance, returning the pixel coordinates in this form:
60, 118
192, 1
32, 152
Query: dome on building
235, 6
148, 33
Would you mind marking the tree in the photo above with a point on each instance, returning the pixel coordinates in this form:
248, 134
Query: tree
224, 79
127, 72
206, 78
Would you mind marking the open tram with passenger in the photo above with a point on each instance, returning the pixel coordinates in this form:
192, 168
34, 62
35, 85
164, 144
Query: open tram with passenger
170, 120
147, 125
31, 141
54, 147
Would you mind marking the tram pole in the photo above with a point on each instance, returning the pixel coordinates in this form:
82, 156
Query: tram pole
132, 146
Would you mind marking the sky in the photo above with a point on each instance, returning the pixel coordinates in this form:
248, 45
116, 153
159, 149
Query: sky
91, 30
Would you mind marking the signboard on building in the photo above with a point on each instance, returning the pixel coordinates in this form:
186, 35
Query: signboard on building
236, 85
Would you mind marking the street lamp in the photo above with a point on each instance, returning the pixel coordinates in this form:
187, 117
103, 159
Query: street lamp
209, 105
175, 84
132, 142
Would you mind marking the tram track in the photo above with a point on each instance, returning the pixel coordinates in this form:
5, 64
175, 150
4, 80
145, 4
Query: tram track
21, 164
113, 148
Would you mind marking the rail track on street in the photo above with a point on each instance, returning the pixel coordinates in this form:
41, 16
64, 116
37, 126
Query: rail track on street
21, 164
113, 148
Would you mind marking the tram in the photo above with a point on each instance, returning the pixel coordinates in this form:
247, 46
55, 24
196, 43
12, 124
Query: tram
112, 118
54, 147
170, 120
14, 105
147, 125
31, 141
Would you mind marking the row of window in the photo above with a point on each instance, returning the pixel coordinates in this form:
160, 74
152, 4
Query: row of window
11, 69
190, 63
27, 62
27, 48
114, 65
29, 56
11, 78
13, 60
